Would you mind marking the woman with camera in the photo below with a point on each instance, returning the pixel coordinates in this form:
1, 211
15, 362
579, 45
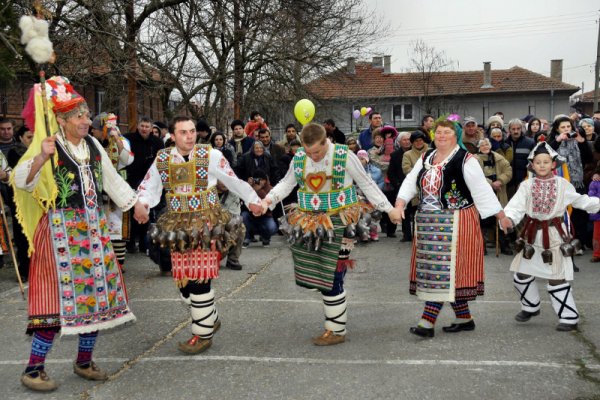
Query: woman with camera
571, 145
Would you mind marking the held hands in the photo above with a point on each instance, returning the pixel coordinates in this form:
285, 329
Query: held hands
506, 225
140, 212
256, 209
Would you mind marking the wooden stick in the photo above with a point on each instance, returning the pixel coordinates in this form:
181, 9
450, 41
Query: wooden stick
12, 249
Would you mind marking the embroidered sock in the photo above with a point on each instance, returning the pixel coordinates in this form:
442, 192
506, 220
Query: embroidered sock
40, 346
87, 341
462, 312
430, 314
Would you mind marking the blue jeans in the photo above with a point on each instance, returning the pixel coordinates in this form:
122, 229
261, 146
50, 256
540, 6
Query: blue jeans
265, 226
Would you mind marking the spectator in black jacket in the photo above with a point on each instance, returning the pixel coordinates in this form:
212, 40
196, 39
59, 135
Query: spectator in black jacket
333, 132
275, 150
257, 158
144, 146
241, 142
522, 146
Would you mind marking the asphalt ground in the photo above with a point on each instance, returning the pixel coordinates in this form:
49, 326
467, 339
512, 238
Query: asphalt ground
264, 351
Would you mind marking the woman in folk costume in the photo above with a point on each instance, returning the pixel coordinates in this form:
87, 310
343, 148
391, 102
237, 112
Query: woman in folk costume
75, 285
547, 247
447, 259
195, 227
105, 129
322, 225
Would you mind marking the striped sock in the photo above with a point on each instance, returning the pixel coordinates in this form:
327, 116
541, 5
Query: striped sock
40, 346
430, 314
120, 249
462, 312
87, 341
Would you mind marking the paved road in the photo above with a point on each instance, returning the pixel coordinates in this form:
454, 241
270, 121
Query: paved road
263, 350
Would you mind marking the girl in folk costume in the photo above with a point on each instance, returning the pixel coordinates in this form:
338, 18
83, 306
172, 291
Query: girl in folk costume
547, 247
195, 227
321, 227
447, 257
75, 286
105, 129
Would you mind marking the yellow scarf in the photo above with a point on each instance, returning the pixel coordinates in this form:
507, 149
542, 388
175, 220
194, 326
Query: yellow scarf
31, 206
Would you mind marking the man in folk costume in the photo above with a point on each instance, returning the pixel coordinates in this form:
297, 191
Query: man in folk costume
105, 129
196, 228
75, 286
321, 226
547, 247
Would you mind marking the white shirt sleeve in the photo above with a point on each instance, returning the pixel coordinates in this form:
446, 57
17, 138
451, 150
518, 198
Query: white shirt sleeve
517, 206
21, 172
219, 166
283, 188
151, 187
366, 183
483, 195
126, 156
581, 201
113, 184
409, 190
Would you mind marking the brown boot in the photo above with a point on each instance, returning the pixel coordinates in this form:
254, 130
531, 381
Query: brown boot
217, 326
195, 345
41, 383
91, 373
328, 339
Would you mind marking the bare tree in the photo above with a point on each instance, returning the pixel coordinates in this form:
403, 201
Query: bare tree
428, 62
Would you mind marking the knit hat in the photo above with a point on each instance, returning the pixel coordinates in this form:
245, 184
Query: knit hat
417, 135
202, 126
363, 154
389, 129
496, 119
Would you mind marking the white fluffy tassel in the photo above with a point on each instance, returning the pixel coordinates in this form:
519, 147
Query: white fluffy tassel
35, 38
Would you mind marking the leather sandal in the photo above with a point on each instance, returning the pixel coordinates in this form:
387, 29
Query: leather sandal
91, 373
40, 383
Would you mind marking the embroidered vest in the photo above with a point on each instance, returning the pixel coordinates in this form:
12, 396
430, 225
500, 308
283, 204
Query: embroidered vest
193, 173
338, 197
454, 193
69, 178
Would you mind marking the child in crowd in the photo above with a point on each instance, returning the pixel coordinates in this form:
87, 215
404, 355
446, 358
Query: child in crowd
546, 245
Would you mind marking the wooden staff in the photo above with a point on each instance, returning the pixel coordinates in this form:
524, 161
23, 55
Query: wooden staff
497, 240
12, 249
45, 106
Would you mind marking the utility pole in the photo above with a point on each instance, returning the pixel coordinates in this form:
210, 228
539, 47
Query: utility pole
597, 77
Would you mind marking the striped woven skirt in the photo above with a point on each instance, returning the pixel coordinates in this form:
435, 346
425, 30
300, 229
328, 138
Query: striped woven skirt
75, 284
447, 256
316, 269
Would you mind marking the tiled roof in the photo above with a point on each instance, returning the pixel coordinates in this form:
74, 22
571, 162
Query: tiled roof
373, 82
586, 97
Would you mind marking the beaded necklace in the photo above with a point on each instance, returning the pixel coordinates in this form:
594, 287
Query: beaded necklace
71, 150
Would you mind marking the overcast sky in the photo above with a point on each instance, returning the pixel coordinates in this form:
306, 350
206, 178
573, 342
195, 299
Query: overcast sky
527, 33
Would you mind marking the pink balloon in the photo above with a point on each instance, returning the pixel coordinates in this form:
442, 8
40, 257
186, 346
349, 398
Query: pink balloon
369, 110
356, 114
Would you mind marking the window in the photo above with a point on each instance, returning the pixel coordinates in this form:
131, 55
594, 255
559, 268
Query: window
402, 112
100, 100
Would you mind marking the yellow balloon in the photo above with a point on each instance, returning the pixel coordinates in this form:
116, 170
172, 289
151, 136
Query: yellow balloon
304, 110
363, 111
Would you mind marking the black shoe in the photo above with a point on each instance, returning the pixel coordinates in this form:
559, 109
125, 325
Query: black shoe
406, 240
566, 327
467, 326
484, 251
391, 235
245, 244
575, 268
524, 316
423, 332
253, 239
234, 265
266, 243
507, 251
131, 249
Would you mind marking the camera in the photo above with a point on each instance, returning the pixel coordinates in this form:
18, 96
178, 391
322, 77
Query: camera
572, 135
